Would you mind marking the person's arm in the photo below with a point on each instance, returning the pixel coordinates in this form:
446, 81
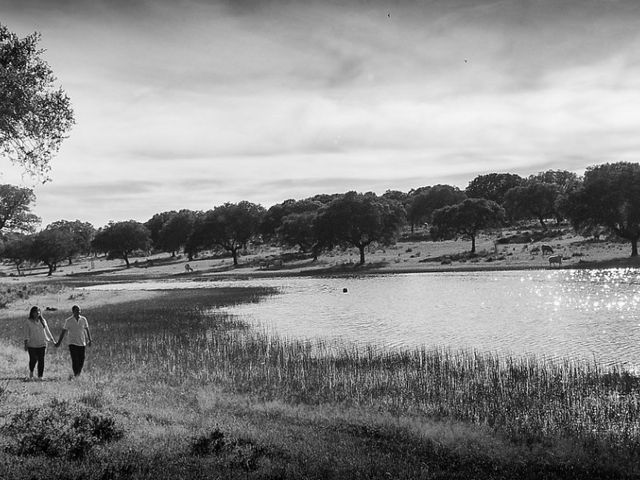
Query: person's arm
88, 335
47, 333
26, 337
62, 334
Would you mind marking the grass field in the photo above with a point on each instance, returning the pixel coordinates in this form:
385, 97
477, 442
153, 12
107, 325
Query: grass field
175, 389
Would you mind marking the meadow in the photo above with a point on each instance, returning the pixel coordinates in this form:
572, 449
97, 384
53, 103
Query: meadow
175, 388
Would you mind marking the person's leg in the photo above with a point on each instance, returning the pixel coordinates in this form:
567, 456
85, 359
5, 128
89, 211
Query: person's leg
74, 358
77, 358
40, 357
81, 354
33, 359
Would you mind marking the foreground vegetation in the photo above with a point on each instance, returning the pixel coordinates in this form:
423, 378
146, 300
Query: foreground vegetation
176, 389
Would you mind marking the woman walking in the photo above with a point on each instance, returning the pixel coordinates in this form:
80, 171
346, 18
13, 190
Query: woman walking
37, 334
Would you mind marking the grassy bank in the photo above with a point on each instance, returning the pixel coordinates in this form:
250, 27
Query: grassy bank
175, 389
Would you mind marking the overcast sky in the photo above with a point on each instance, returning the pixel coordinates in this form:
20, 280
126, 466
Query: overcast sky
190, 104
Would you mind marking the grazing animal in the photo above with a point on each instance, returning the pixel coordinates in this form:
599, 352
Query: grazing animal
187, 268
546, 249
555, 259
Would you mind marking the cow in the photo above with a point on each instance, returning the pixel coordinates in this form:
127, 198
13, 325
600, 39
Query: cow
555, 259
547, 249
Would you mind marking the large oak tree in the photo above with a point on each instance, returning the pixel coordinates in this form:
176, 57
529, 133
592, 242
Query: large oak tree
230, 226
466, 219
609, 197
35, 115
121, 239
358, 220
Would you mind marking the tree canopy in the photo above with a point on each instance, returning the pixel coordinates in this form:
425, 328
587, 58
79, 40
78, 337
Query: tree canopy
18, 248
230, 226
610, 197
358, 220
493, 186
15, 209
51, 246
81, 234
533, 200
467, 218
35, 116
121, 239
422, 205
175, 232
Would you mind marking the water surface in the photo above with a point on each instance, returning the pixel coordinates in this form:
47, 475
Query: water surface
580, 314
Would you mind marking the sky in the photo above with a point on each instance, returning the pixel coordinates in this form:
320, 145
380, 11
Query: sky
194, 103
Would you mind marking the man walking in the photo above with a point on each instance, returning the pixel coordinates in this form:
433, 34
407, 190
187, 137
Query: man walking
79, 337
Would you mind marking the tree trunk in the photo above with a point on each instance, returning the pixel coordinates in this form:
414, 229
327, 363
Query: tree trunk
52, 268
634, 247
361, 248
126, 259
473, 244
234, 253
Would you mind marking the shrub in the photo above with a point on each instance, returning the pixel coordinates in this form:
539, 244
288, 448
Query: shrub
59, 429
207, 444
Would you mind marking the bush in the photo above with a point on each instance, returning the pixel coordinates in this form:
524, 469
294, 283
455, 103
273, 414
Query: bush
214, 442
59, 429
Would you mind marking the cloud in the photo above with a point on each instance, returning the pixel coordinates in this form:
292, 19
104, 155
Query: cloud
192, 103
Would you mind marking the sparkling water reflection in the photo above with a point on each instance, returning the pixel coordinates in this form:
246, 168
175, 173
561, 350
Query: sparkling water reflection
582, 314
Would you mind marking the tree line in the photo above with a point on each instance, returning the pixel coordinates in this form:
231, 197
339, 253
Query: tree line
606, 198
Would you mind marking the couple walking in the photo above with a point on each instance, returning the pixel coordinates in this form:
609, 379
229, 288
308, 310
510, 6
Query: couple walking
37, 334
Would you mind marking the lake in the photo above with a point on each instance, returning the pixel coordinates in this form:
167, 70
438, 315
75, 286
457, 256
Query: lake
577, 314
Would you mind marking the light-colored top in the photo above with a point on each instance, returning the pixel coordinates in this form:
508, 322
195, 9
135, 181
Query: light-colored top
76, 330
37, 334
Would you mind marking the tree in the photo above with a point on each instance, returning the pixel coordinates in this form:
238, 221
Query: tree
609, 197
121, 239
51, 246
467, 218
176, 231
15, 209
493, 186
155, 225
397, 195
272, 219
230, 226
18, 248
297, 229
563, 179
81, 234
358, 220
35, 116
431, 199
533, 200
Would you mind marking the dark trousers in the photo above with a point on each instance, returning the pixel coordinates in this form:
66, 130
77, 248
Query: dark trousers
36, 355
77, 358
